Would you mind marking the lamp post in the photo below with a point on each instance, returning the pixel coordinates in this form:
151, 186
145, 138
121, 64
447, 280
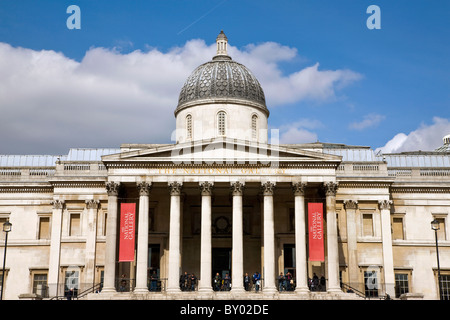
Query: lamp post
7, 226
435, 226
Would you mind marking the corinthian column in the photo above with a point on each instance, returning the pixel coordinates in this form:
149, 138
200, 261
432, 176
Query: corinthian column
332, 239
205, 241
174, 238
269, 239
388, 259
300, 238
55, 247
112, 188
350, 210
92, 209
142, 245
238, 240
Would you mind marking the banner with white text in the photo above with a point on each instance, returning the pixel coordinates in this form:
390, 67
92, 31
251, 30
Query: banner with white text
127, 231
315, 222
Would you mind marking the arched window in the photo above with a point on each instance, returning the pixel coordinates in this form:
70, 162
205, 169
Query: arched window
189, 126
254, 127
221, 126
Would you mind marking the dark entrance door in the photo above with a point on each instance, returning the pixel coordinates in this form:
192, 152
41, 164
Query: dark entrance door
154, 267
221, 262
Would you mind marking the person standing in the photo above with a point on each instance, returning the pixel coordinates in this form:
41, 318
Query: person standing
193, 281
281, 282
246, 282
216, 282
257, 280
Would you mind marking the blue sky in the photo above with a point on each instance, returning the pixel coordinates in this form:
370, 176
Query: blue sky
372, 86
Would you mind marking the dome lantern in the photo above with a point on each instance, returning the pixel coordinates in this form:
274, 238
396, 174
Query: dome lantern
222, 44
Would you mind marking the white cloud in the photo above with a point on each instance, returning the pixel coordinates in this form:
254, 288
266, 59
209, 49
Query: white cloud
370, 120
299, 131
425, 138
49, 102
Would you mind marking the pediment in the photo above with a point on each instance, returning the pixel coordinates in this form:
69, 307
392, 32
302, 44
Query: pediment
220, 151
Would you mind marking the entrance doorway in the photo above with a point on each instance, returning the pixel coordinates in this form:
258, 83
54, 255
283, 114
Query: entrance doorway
221, 261
154, 267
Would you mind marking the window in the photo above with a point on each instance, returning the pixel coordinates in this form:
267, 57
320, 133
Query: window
40, 284
189, 126
71, 280
2, 234
104, 225
254, 127
397, 229
221, 125
401, 284
441, 231
445, 286
75, 226
367, 220
371, 283
44, 228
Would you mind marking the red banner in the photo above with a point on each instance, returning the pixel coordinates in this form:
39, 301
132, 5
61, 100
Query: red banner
127, 231
315, 218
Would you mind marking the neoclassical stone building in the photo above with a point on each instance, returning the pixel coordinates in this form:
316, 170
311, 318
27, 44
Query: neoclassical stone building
226, 200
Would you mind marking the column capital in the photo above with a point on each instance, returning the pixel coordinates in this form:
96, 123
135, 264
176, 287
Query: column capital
144, 188
350, 204
299, 188
385, 204
92, 204
268, 188
175, 188
237, 188
57, 204
206, 188
112, 188
330, 188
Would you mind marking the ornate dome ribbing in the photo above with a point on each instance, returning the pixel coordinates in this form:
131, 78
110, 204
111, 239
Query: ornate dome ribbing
222, 80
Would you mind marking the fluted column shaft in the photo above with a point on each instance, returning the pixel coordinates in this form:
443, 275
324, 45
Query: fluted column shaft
142, 245
300, 238
332, 239
353, 272
388, 259
55, 247
111, 238
205, 239
92, 210
269, 239
174, 238
237, 267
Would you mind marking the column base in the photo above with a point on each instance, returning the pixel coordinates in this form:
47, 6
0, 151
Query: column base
141, 290
304, 290
173, 290
238, 290
205, 290
108, 290
270, 290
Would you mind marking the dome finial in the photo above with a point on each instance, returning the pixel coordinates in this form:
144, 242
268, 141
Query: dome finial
222, 43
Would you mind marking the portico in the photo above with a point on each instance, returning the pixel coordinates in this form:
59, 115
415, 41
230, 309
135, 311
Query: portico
242, 206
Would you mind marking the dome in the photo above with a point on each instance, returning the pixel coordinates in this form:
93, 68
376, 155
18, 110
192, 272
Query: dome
222, 80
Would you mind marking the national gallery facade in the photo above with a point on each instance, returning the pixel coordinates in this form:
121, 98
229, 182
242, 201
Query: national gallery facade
166, 221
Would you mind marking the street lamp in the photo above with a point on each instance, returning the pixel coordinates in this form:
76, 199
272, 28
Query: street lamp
7, 226
435, 226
